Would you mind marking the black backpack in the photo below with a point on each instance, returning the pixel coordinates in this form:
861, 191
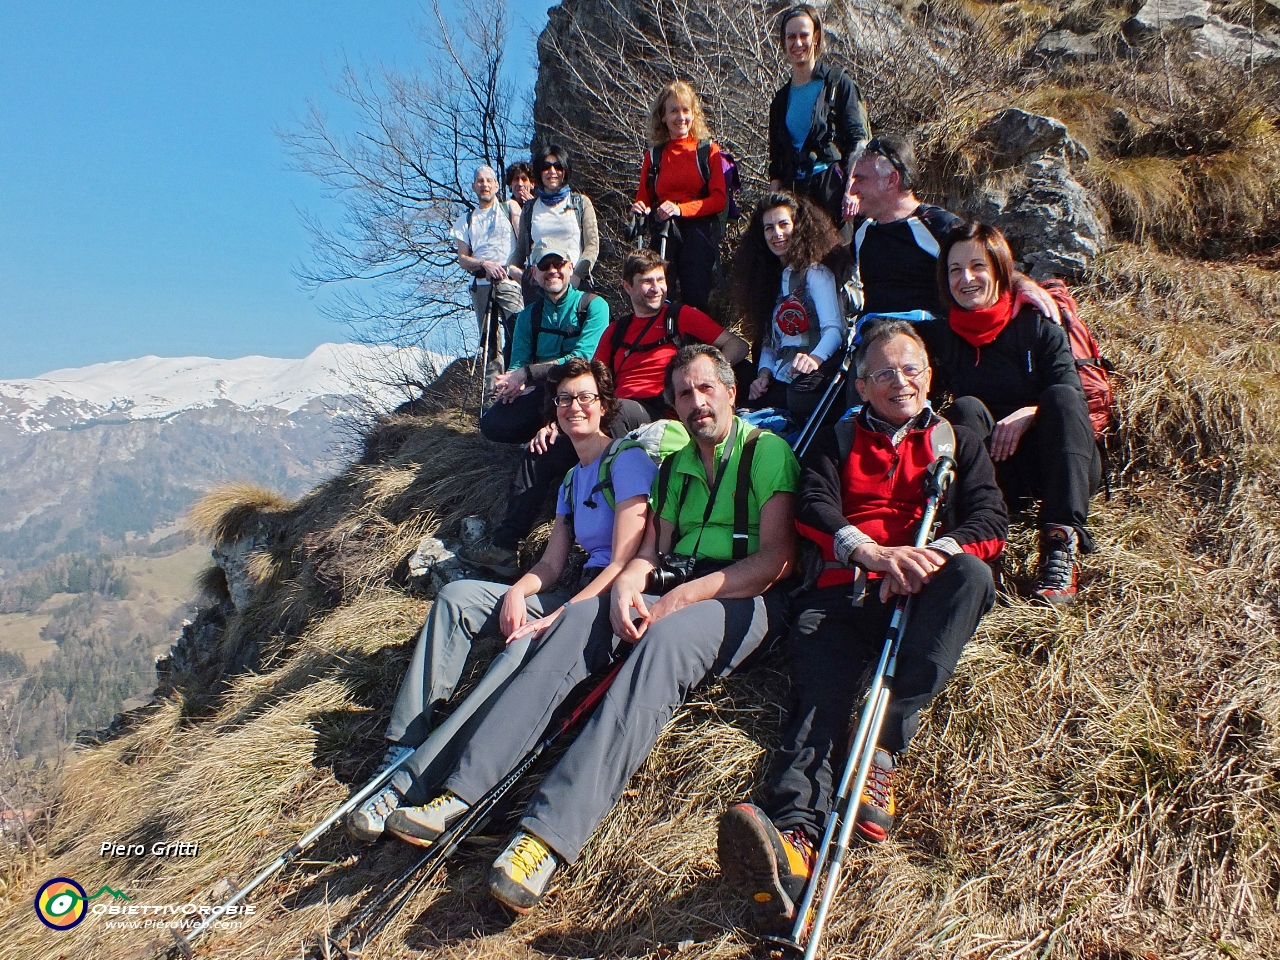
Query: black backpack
671, 316
535, 321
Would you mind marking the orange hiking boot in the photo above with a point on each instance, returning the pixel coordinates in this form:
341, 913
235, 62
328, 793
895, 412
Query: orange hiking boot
769, 866
876, 807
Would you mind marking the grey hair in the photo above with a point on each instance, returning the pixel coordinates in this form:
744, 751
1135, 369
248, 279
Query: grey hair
874, 332
481, 169
687, 355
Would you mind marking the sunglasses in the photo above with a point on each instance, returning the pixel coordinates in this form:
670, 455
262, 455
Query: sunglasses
551, 165
877, 146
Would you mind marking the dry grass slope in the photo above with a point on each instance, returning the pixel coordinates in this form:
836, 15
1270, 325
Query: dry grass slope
1095, 784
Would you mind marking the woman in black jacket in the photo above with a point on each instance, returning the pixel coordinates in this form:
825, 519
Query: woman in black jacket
1015, 383
817, 120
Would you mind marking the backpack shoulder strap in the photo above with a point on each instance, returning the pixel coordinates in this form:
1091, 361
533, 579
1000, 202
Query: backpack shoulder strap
845, 428
703, 156
579, 207
673, 321
567, 486
535, 322
742, 495
584, 304
526, 225
651, 181
664, 484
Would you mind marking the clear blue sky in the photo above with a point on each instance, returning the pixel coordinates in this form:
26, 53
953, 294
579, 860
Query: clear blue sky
146, 204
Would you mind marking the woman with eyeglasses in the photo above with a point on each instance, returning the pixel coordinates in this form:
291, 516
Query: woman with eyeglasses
784, 287
682, 191
816, 120
1016, 386
607, 526
556, 213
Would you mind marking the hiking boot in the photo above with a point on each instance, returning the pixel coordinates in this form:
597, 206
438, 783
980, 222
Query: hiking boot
1059, 571
487, 555
876, 807
367, 821
520, 876
422, 826
770, 866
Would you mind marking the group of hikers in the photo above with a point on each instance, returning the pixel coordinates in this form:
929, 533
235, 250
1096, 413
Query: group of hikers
692, 518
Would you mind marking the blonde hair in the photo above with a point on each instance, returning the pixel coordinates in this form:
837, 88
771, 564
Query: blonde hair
698, 130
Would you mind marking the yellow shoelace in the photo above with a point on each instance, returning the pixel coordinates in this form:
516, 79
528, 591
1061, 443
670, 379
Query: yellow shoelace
528, 856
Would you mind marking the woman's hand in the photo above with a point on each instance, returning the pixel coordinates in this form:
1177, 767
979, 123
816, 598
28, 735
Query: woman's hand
543, 439
668, 209
535, 628
760, 385
803, 363
640, 209
513, 615
628, 596
1009, 431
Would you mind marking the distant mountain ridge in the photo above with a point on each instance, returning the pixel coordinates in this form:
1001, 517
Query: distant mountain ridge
152, 388
94, 457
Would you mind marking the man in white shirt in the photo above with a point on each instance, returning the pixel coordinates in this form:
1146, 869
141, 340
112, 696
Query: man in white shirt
485, 242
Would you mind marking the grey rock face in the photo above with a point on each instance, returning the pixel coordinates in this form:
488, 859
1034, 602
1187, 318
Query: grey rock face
1065, 45
1236, 44
1032, 195
1160, 15
234, 559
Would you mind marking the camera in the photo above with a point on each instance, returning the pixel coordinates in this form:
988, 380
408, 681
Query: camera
671, 571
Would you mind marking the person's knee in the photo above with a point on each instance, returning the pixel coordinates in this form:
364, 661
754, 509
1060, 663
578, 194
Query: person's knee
972, 413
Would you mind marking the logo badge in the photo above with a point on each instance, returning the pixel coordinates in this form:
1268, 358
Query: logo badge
60, 904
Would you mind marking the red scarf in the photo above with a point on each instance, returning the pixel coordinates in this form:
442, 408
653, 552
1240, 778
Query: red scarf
980, 327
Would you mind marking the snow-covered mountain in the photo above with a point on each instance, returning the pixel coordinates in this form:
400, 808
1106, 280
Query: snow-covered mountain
153, 388
93, 458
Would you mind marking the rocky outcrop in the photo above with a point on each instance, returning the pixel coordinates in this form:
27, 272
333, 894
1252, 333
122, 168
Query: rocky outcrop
1065, 45
1030, 192
1158, 16
1211, 36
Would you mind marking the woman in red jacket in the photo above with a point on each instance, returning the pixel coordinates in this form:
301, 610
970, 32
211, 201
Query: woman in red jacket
682, 191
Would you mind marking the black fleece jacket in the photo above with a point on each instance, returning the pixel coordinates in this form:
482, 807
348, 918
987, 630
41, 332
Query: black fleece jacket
1027, 356
826, 144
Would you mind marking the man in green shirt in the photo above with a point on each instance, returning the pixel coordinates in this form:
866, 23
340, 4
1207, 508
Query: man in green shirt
727, 609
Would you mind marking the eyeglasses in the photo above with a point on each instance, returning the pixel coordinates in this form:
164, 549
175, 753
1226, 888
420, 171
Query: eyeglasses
910, 372
584, 399
877, 146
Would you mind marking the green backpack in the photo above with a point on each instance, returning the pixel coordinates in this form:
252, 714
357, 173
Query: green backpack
657, 439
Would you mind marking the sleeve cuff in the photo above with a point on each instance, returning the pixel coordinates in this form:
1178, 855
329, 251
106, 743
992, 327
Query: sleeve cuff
946, 545
846, 540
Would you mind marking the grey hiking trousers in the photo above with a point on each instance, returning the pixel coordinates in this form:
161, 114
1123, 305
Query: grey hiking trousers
461, 611
708, 638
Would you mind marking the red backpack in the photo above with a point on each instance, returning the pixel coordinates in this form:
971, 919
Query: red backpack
1093, 367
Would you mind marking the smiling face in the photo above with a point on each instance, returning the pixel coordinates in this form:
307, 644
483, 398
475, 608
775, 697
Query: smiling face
678, 116
878, 193
647, 291
552, 275
553, 174
779, 224
894, 396
703, 404
971, 276
485, 186
577, 420
798, 39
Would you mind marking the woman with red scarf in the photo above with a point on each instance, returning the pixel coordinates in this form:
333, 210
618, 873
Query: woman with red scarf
1015, 384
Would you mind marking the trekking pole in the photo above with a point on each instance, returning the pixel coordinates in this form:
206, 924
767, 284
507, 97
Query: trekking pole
484, 343
829, 397
635, 230
663, 233
184, 941
858, 767
475, 817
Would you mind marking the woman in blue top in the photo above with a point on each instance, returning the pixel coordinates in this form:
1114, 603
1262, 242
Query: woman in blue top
817, 120
582, 395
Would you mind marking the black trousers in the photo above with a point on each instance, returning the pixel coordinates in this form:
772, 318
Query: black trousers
693, 251
1057, 460
833, 645
801, 396
539, 474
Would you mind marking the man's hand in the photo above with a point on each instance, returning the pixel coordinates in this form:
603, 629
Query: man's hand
494, 270
1026, 290
1007, 433
849, 206
628, 596
803, 363
906, 569
759, 385
508, 386
543, 439
668, 209
668, 604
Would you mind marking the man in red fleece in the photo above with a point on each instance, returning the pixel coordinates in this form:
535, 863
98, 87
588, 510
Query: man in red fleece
638, 347
861, 498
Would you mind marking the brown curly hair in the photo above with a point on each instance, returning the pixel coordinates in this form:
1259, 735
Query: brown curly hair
757, 270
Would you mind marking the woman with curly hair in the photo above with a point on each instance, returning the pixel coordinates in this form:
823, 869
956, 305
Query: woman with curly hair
784, 287
682, 179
